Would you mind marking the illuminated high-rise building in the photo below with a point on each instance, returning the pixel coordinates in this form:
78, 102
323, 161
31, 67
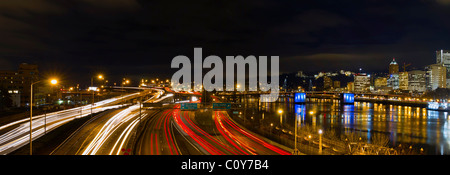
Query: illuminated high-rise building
18, 83
443, 57
393, 79
350, 87
393, 67
327, 83
362, 82
403, 80
380, 82
436, 76
417, 81
336, 84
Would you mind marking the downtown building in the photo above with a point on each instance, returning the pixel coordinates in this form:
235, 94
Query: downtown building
393, 80
362, 82
380, 85
327, 83
443, 57
436, 76
403, 80
17, 83
417, 81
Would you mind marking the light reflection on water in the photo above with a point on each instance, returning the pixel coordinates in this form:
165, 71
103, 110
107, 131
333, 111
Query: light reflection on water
403, 124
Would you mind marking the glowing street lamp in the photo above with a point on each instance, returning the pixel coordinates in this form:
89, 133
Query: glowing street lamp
53, 82
93, 90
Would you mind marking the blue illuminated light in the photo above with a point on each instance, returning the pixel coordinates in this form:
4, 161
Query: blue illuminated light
300, 97
349, 98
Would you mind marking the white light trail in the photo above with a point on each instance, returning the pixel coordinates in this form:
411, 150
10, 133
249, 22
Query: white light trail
20, 134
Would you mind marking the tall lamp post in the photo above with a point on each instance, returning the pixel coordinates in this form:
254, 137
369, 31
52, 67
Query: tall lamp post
93, 90
53, 82
124, 82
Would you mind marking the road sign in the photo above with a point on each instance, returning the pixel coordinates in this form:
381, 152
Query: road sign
189, 106
221, 105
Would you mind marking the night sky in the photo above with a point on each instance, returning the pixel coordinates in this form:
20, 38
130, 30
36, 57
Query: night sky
131, 38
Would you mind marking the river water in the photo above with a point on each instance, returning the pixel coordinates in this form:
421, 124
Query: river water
405, 125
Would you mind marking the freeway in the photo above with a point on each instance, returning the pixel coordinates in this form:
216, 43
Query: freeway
16, 134
176, 132
108, 134
157, 137
219, 135
156, 131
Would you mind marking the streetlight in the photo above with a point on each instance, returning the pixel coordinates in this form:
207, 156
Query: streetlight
124, 82
53, 82
320, 141
93, 90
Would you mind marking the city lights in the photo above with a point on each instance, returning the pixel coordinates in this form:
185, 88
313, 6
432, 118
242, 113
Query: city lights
292, 78
300, 97
280, 111
54, 81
